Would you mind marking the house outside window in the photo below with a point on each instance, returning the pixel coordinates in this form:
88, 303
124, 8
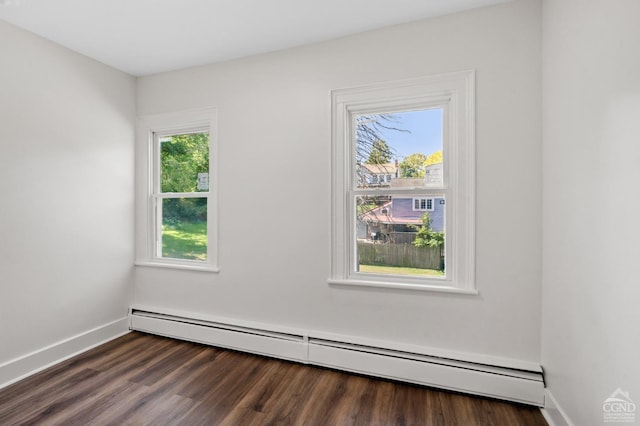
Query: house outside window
422, 129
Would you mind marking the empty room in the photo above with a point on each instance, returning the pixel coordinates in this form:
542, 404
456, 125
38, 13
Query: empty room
319, 213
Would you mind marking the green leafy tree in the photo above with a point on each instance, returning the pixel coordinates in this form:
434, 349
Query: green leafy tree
182, 157
380, 153
413, 166
434, 158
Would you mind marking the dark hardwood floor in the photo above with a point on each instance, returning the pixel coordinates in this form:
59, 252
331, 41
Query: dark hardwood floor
141, 379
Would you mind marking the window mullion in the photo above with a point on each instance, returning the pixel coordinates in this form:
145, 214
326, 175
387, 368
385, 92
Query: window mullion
165, 195
428, 192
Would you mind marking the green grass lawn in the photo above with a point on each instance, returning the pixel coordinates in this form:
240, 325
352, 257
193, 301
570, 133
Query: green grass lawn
399, 270
185, 241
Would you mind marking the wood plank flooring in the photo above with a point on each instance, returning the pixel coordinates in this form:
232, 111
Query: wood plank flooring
141, 379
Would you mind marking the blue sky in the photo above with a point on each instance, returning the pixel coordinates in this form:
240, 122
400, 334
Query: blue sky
426, 132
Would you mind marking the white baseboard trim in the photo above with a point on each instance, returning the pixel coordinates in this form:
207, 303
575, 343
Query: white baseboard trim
31, 363
553, 412
344, 353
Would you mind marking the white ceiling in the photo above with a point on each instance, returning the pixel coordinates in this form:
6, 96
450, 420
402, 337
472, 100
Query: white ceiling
143, 37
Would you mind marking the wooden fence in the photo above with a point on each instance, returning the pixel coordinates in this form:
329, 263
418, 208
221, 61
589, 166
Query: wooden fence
404, 255
401, 237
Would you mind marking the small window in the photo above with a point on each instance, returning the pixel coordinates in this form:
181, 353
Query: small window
180, 213
423, 204
420, 135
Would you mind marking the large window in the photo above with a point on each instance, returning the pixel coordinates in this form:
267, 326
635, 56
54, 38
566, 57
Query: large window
416, 228
179, 215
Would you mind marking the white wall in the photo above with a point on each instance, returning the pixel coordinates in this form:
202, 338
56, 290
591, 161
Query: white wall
66, 188
591, 203
274, 180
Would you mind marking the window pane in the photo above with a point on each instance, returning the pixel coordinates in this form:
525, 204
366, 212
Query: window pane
184, 163
184, 228
393, 237
399, 149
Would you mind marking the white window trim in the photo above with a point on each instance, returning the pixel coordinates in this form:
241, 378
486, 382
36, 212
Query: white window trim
456, 93
146, 166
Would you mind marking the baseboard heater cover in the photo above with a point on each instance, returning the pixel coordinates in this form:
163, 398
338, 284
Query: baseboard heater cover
263, 342
463, 376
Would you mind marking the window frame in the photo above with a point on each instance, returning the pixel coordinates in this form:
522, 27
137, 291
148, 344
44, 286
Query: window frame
455, 93
151, 129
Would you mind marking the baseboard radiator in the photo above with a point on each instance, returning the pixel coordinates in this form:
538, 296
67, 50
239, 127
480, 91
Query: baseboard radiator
510, 384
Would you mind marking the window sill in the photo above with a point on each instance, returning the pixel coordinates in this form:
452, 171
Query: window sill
180, 266
401, 286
